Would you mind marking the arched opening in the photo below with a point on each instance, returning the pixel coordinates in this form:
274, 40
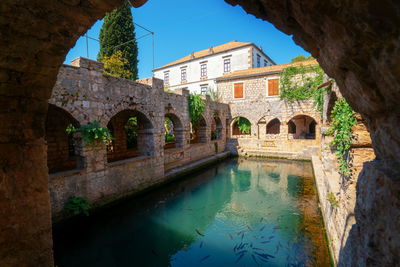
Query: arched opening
302, 127
133, 136
216, 129
274, 126
63, 149
198, 132
241, 126
173, 131
291, 127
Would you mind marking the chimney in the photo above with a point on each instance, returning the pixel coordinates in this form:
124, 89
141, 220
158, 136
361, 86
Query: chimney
192, 55
211, 51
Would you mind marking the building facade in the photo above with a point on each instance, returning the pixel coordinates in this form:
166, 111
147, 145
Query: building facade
278, 128
198, 71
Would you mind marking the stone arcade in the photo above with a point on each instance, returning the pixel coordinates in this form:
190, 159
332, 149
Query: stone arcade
356, 43
83, 94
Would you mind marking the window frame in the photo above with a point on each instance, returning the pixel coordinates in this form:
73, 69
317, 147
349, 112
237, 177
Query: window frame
243, 88
267, 86
201, 89
227, 65
258, 60
203, 70
166, 77
183, 73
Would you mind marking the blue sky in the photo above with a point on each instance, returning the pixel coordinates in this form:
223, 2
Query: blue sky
184, 26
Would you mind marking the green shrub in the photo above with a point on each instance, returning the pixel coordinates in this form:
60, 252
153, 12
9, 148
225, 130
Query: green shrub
77, 205
243, 124
196, 107
92, 133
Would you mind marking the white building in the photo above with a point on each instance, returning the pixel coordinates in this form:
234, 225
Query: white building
197, 72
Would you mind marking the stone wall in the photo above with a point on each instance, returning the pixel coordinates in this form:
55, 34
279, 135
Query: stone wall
112, 172
260, 110
340, 218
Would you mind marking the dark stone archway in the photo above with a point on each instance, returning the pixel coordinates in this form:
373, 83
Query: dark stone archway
356, 42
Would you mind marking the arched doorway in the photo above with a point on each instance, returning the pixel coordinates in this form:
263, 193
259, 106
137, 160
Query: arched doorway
302, 127
132, 133
241, 126
63, 149
216, 128
173, 131
274, 127
198, 131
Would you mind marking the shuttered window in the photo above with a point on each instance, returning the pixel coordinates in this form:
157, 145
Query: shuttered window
238, 90
273, 87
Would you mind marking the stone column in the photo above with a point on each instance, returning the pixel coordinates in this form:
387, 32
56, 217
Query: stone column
25, 211
284, 131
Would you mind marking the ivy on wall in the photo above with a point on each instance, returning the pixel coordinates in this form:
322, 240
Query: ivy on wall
196, 107
301, 83
92, 133
343, 120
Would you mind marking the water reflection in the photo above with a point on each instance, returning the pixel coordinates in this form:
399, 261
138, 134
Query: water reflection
239, 213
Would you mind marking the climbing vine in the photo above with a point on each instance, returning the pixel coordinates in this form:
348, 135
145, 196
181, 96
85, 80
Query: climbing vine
92, 133
343, 120
301, 83
196, 107
243, 124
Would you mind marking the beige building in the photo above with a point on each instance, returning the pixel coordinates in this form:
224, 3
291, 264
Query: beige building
278, 128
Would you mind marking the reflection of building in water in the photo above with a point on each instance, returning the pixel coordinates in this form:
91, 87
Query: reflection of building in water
266, 189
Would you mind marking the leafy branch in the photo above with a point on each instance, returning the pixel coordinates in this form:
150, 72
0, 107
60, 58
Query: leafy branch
343, 120
243, 124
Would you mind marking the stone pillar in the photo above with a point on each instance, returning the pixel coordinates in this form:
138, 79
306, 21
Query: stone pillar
284, 132
25, 211
262, 130
180, 137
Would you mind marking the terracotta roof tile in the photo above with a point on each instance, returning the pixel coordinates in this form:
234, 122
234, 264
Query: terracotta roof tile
205, 52
273, 68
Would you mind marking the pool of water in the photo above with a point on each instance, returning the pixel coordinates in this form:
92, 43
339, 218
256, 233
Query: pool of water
241, 212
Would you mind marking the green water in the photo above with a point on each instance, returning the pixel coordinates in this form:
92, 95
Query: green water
242, 212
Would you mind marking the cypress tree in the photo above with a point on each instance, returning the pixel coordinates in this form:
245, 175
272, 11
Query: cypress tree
118, 29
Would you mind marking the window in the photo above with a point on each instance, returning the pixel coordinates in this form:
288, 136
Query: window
203, 70
183, 75
273, 87
265, 63
238, 90
166, 77
227, 65
203, 89
258, 61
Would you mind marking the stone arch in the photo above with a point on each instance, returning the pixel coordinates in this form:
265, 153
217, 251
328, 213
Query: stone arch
198, 132
372, 91
235, 128
133, 135
177, 132
216, 128
63, 150
274, 126
302, 127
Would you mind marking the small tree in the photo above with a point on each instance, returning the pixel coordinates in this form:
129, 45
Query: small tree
115, 65
300, 58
